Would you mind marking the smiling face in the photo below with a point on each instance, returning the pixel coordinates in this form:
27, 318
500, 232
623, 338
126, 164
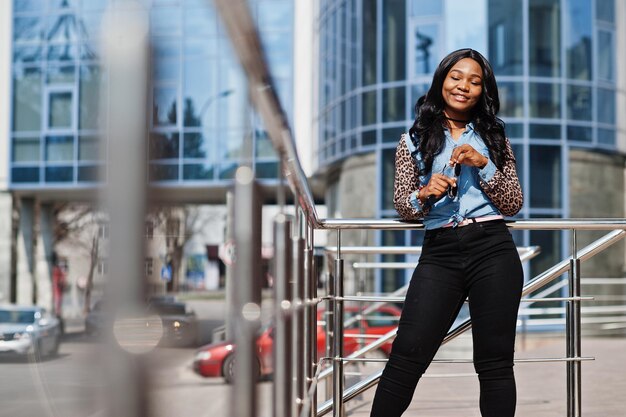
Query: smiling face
462, 89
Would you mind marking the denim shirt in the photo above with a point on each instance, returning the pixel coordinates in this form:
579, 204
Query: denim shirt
470, 200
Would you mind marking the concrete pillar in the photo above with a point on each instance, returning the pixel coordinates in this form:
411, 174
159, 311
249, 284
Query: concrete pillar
43, 255
5, 246
25, 244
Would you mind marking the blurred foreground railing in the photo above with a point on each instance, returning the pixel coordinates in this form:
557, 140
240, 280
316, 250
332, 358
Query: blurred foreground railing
295, 299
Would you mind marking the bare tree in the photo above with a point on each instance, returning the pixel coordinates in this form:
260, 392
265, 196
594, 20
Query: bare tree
81, 226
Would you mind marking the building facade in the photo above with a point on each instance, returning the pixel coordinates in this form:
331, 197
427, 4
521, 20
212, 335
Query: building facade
560, 71
201, 124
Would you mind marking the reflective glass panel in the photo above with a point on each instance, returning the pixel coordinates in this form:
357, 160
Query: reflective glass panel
233, 106
393, 134
27, 5
59, 148
511, 99
62, 28
425, 7
166, 70
266, 169
605, 10
545, 176
545, 100
60, 110
464, 24
538, 131
165, 20
394, 106
369, 41
278, 47
90, 173
62, 53
59, 174
164, 145
197, 172
424, 47
94, 4
545, 38
606, 55
201, 100
195, 145
60, 75
369, 138
163, 172
606, 137
27, 99
200, 21
231, 145
92, 22
90, 83
579, 104
579, 43
275, 14
579, 133
505, 36
26, 150
27, 28
164, 106
24, 174
514, 130
88, 148
26, 54
264, 146
394, 40
606, 105
368, 108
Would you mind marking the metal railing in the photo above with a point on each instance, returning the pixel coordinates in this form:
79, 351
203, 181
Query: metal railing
295, 312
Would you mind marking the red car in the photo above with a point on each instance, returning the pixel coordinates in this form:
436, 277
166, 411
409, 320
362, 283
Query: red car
217, 359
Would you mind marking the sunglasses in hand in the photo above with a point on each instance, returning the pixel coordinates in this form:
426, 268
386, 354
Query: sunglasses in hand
452, 172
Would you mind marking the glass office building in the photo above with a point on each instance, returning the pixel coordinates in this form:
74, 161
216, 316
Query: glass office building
200, 113
555, 62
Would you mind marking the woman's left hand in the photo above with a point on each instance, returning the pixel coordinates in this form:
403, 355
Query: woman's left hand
467, 155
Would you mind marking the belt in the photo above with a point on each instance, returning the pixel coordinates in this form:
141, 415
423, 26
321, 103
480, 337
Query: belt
471, 220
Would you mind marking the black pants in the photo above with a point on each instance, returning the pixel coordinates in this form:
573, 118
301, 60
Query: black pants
480, 261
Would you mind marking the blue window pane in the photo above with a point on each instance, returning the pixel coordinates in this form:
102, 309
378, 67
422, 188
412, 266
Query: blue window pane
25, 174
605, 10
60, 74
606, 55
579, 30
538, 131
514, 130
369, 138
62, 4
227, 171
506, 36
164, 146
424, 47
92, 22
393, 134
164, 106
60, 110
62, 28
511, 99
579, 133
579, 103
59, 148
62, 53
545, 37
27, 28
26, 54
606, 137
165, 21
545, 100
278, 47
368, 108
394, 40
545, 176
90, 51
90, 89
88, 148
426, 8
277, 14
163, 172
370, 22
264, 146
201, 100
232, 106
606, 106
89, 173
27, 100
195, 145
197, 172
200, 21
231, 145
266, 170
59, 174
26, 150
166, 70
95, 4
394, 106
27, 5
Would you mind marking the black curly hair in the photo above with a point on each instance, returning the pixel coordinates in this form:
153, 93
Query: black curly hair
427, 132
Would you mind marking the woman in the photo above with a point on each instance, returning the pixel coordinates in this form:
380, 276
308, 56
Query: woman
456, 171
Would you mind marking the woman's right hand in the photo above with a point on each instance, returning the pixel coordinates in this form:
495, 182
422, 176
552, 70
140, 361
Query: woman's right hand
436, 187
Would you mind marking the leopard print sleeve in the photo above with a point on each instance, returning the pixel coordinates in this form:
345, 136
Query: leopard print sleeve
406, 182
504, 189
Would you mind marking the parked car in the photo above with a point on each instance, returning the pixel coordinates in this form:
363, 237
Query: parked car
217, 359
179, 323
29, 331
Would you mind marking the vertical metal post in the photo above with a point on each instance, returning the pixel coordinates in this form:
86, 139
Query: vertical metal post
312, 315
229, 239
126, 47
338, 380
330, 322
247, 291
282, 328
307, 363
573, 336
298, 319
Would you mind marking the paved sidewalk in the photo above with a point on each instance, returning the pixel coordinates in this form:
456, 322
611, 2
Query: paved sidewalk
540, 386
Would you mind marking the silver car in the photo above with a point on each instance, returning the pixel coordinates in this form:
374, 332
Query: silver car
28, 331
